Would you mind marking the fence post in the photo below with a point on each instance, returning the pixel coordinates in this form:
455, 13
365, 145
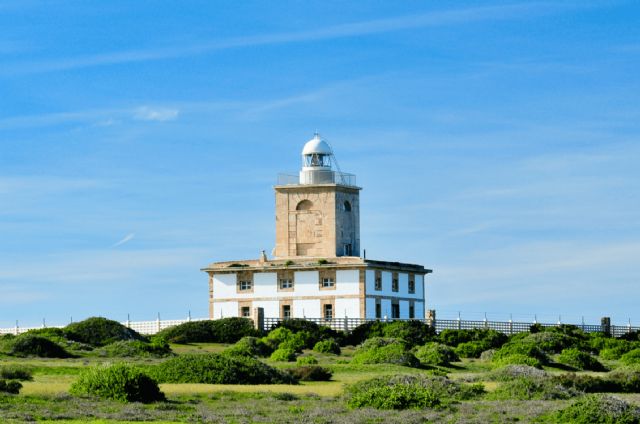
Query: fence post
459, 322
158, 322
629, 326
17, 329
346, 324
431, 318
510, 324
258, 319
189, 316
128, 321
486, 324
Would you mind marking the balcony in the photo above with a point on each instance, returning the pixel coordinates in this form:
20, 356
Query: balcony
318, 177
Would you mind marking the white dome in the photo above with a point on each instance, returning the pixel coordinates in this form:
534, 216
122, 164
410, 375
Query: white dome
316, 145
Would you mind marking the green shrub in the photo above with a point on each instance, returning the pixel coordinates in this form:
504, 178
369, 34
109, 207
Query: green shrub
626, 380
218, 369
436, 354
518, 348
413, 332
310, 373
408, 392
135, 348
378, 350
632, 336
327, 346
594, 409
551, 341
120, 382
224, 330
306, 360
630, 358
12, 372
515, 359
316, 332
98, 331
29, 345
250, 346
471, 349
488, 338
283, 354
579, 360
277, 336
530, 388
296, 341
10, 386
455, 337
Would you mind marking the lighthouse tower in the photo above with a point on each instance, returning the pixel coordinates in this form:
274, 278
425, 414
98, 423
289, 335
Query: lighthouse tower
317, 213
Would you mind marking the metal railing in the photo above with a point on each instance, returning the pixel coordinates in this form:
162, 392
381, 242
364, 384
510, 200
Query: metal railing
348, 324
329, 177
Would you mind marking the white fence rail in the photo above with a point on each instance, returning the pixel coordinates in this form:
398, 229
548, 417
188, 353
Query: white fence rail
348, 324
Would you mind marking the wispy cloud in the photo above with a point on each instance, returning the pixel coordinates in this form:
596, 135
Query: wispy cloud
146, 113
355, 29
126, 239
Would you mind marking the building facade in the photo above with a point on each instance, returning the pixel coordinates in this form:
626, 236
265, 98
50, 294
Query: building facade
316, 270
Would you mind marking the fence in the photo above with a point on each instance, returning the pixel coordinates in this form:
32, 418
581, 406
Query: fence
348, 324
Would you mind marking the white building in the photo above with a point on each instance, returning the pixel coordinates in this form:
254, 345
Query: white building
317, 271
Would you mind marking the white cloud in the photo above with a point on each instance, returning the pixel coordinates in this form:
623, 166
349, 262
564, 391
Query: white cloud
146, 113
126, 239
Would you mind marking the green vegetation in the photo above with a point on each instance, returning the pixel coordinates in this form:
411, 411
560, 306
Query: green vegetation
409, 392
97, 331
593, 409
226, 330
327, 346
283, 354
434, 353
378, 350
631, 358
31, 345
119, 382
218, 369
383, 379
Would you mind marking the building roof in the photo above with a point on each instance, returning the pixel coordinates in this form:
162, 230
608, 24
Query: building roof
316, 145
308, 263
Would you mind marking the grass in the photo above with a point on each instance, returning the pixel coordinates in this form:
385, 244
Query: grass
46, 399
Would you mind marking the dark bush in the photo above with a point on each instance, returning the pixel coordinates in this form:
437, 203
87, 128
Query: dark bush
98, 331
218, 369
310, 373
517, 349
10, 386
580, 360
436, 354
515, 359
409, 392
594, 409
224, 330
120, 382
327, 346
378, 350
11, 372
632, 336
29, 345
471, 349
551, 341
485, 338
626, 380
316, 332
136, 348
455, 337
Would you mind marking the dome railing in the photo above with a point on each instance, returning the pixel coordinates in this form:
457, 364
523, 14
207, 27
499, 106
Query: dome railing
340, 178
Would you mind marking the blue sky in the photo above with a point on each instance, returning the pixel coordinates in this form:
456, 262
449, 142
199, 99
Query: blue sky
497, 143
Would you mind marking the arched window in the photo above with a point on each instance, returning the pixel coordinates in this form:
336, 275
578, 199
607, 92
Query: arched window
304, 205
347, 206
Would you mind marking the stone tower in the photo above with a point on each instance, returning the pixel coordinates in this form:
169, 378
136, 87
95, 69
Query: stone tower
317, 212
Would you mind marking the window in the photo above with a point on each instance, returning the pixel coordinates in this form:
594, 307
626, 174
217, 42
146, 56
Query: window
328, 282
378, 281
304, 205
286, 283
412, 312
412, 286
327, 309
394, 284
395, 311
245, 285
245, 312
348, 251
347, 207
286, 311
378, 310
